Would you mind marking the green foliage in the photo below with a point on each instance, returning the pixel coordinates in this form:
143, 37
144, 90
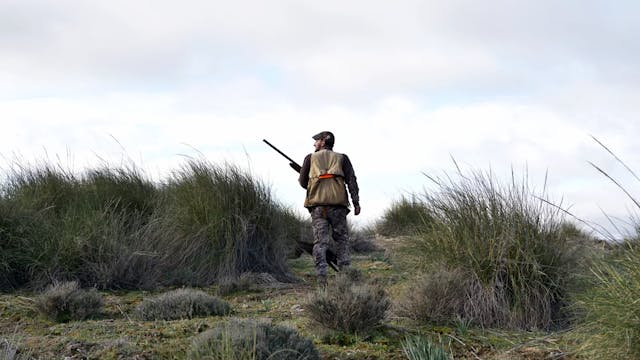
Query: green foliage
72, 226
419, 348
67, 301
113, 228
509, 245
181, 304
233, 224
609, 322
251, 340
348, 307
404, 217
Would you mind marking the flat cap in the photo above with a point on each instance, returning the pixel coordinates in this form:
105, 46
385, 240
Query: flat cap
327, 136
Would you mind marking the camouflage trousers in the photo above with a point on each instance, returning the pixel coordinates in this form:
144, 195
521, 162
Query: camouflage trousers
330, 224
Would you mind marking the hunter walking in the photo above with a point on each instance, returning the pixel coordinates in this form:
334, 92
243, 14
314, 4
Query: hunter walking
326, 175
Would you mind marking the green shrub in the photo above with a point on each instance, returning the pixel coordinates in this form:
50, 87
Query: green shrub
233, 224
72, 226
251, 340
112, 228
348, 307
181, 304
419, 348
404, 217
66, 301
512, 247
609, 316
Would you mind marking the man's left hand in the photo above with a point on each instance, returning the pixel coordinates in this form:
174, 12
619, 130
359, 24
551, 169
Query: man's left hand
356, 210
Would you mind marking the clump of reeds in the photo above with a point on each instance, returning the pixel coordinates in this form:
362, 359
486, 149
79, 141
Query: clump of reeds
252, 340
232, 222
114, 228
82, 226
508, 244
64, 301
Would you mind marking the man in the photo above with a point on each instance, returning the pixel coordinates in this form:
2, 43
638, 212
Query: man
326, 175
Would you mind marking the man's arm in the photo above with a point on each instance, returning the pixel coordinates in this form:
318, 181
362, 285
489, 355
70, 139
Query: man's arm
352, 184
303, 179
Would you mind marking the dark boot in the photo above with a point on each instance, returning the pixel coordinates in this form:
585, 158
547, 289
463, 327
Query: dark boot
322, 281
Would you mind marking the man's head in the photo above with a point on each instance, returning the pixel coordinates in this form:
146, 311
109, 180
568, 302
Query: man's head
324, 140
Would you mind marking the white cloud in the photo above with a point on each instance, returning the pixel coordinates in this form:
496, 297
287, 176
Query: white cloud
408, 85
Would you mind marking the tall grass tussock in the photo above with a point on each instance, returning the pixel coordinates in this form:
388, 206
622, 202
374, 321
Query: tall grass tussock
497, 255
608, 316
113, 228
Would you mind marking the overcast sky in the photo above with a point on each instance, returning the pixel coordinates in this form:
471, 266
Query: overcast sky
405, 85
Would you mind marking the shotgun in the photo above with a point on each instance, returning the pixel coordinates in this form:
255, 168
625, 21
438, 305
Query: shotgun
294, 165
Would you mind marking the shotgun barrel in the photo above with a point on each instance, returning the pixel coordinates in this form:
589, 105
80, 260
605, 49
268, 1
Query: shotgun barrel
292, 163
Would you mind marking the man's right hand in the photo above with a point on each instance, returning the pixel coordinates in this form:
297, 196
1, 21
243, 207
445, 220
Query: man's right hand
356, 210
295, 166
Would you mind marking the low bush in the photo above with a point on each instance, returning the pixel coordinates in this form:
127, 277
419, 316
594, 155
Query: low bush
348, 307
435, 297
181, 304
251, 340
66, 301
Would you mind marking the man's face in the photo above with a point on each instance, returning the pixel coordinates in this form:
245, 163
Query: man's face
319, 144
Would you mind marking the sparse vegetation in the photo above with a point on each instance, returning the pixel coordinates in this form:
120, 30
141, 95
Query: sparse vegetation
239, 339
66, 301
181, 304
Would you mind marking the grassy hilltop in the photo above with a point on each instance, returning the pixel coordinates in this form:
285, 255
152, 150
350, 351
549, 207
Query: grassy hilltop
204, 265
